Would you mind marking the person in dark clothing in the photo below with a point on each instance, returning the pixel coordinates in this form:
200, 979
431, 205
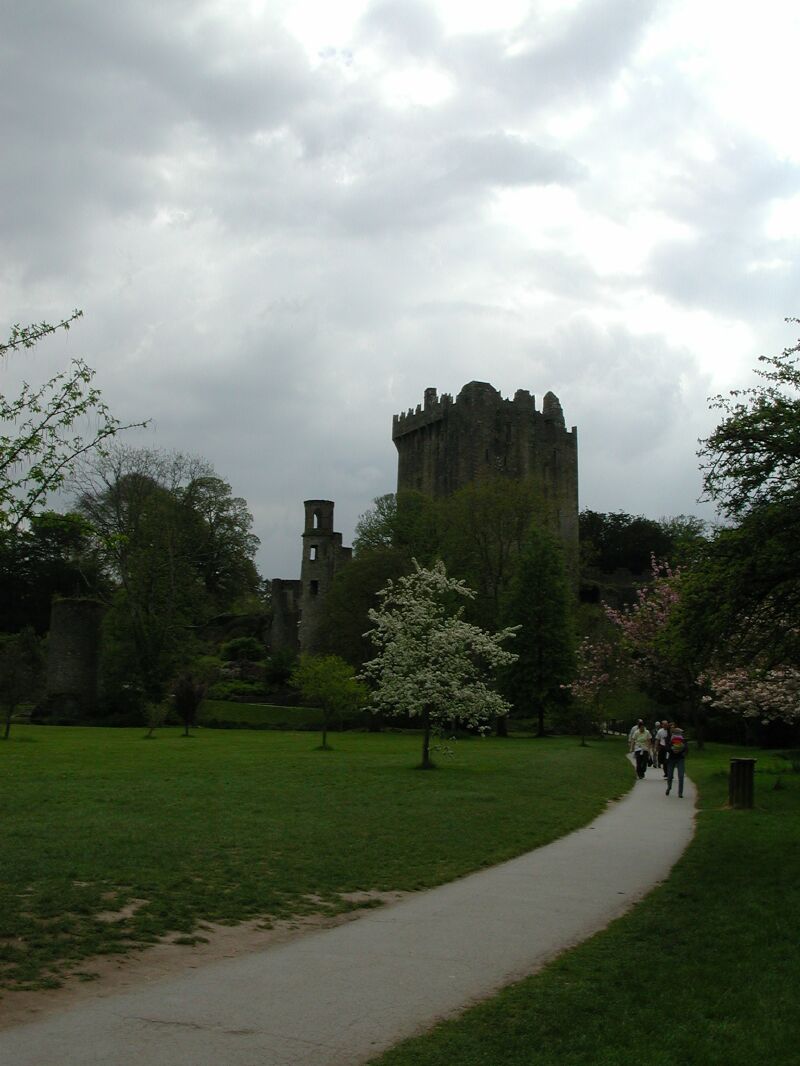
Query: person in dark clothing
676, 759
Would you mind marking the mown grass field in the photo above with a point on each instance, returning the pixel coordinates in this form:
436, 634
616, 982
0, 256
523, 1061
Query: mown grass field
704, 972
228, 825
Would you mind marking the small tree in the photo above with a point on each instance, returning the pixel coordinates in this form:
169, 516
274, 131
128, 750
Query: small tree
595, 664
431, 663
186, 698
20, 671
656, 648
330, 683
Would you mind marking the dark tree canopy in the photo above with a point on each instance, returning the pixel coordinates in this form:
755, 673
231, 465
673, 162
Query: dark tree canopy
51, 557
178, 548
753, 456
539, 601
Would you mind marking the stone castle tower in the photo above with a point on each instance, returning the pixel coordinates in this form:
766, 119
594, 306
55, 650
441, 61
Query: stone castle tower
445, 444
297, 605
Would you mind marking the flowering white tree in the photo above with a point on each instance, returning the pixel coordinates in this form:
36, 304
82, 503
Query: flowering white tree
431, 664
766, 695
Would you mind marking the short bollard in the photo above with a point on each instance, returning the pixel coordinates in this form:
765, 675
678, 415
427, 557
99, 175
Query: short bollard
740, 783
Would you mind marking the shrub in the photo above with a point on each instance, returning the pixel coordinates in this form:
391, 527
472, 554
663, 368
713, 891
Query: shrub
242, 649
236, 691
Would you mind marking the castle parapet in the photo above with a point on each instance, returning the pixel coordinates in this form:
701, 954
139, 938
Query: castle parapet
433, 410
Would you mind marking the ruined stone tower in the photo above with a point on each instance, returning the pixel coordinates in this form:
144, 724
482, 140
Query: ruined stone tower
73, 650
323, 555
445, 444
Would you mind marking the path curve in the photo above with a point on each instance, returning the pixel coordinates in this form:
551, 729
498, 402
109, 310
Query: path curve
340, 996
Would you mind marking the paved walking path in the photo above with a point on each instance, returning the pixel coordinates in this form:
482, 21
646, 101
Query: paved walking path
340, 996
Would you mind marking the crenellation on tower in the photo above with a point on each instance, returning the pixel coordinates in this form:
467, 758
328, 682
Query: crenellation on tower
442, 445
449, 443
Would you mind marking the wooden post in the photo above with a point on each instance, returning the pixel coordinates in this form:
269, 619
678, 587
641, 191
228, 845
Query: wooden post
740, 784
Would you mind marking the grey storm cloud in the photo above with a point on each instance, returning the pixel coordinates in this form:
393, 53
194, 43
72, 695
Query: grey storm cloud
274, 256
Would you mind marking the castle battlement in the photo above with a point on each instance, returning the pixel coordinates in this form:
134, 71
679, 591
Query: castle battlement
434, 408
437, 408
444, 444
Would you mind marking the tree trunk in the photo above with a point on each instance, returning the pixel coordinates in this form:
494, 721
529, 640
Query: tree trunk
540, 714
9, 712
501, 725
426, 741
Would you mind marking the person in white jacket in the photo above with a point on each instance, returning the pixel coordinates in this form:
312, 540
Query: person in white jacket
642, 745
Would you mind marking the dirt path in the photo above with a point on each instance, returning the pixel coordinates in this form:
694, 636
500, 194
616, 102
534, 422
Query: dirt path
112, 974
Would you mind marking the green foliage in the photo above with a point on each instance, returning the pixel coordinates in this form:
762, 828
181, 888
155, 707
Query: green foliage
241, 825
39, 428
477, 532
279, 667
620, 541
407, 522
345, 610
753, 456
50, 557
539, 601
742, 596
177, 546
242, 649
483, 528
21, 672
329, 682
236, 691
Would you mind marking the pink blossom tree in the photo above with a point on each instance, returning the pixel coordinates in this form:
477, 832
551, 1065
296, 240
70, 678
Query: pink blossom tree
655, 648
596, 662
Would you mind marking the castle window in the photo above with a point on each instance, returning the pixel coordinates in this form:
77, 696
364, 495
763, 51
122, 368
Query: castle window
312, 553
313, 588
316, 520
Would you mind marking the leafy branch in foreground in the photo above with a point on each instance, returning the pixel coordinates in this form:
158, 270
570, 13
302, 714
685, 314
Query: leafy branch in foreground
40, 437
753, 455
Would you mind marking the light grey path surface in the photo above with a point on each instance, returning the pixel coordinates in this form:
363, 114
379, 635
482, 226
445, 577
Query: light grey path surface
342, 995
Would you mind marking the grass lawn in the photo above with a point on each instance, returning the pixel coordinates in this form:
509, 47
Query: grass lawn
705, 971
229, 825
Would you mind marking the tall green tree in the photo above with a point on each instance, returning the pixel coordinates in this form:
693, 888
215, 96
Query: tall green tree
484, 526
742, 598
178, 547
539, 601
752, 458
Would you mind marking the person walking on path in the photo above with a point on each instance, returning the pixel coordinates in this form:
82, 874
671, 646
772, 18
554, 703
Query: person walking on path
642, 748
677, 759
633, 731
662, 743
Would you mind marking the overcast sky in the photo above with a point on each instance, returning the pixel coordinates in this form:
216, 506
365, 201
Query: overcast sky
284, 220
